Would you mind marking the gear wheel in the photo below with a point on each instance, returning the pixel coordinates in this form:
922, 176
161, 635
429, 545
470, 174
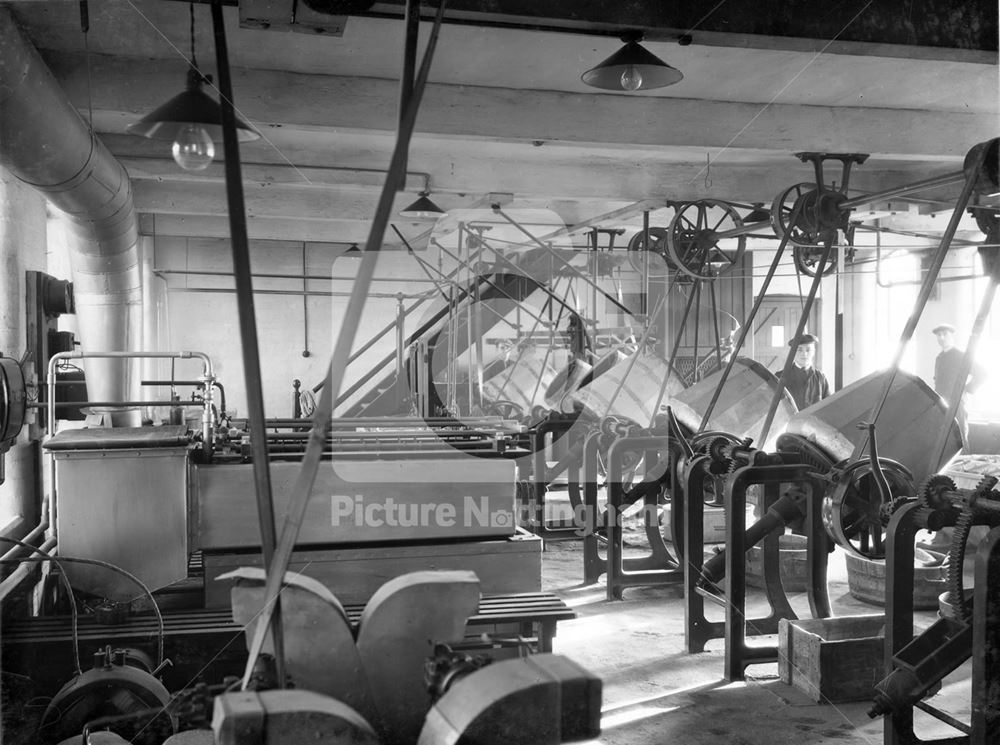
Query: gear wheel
889, 509
956, 562
809, 453
932, 492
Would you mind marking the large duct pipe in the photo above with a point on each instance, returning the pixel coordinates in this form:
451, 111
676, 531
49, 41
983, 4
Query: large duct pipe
45, 143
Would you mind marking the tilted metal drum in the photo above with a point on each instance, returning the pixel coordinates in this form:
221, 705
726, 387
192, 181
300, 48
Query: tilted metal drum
742, 406
565, 382
907, 428
524, 381
630, 389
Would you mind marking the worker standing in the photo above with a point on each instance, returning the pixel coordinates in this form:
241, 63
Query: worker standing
947, 368
805, 383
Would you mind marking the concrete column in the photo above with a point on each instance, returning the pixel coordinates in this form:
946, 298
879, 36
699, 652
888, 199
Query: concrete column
22, 248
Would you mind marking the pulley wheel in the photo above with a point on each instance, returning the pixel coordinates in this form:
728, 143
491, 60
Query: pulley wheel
807, 260
504, 409
658, 267
13, 401
694, 243
803, 232
855, 515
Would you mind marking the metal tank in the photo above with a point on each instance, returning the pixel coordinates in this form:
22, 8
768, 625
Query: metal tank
525, 379
907, 427
742, 406
629, 389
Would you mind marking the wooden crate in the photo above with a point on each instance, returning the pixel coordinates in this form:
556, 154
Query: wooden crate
832, 660
353, 573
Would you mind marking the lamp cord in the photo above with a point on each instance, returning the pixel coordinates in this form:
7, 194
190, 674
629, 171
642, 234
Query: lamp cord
194, 58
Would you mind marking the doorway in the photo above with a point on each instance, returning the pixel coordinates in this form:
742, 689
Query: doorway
775, 325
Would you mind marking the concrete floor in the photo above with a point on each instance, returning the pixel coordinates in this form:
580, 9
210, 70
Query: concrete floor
655, 693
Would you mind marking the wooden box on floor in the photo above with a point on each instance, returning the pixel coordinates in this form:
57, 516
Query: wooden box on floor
353, 573
832, 660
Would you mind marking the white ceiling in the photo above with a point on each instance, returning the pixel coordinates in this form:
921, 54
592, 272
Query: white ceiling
505, 111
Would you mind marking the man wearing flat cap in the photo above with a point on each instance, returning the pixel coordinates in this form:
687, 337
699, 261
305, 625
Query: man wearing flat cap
805, 383
947, 368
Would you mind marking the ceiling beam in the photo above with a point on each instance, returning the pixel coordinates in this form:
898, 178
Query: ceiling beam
165, 169
133, 87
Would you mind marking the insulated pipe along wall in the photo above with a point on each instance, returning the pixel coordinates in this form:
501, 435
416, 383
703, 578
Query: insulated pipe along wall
45, 144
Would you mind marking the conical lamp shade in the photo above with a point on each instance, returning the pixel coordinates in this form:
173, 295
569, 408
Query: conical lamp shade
193, 106
422, 209
633, 58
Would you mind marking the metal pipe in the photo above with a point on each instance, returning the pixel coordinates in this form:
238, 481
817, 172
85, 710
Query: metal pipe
947, 179
296, 293
34, 534
715, 323
274, 275
111, 404
400, 339
208, 376
45, 144
752, 227
411, 25
910, 234
22, 572
382, 421
697, 328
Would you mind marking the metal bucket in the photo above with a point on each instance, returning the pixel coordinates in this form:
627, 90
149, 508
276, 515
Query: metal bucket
525, 380
742, 406
907, 427
629, 389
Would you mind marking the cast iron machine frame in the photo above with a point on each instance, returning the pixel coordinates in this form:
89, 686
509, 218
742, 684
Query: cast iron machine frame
914, 666
770, 471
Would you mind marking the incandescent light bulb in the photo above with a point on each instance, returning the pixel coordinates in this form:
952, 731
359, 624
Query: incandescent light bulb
631, 79
193, 149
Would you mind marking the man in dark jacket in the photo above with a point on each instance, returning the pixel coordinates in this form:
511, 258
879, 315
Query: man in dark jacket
947, 367
805, 383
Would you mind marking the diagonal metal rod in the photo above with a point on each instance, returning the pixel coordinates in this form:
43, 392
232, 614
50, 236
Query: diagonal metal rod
633, 359
516, 270
523, 347
748, 321
955, 177
958, 387
765, 430
924, 295
465, 264
715, 320
560, 259
673, 353
697, 328
247, 315
338, 362
420, 262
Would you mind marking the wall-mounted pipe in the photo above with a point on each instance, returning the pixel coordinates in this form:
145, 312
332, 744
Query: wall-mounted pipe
22, 573
45, 144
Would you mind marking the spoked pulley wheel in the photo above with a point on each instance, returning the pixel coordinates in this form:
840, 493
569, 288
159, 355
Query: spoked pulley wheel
818, 218
698, 243
854, 513
659, 263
